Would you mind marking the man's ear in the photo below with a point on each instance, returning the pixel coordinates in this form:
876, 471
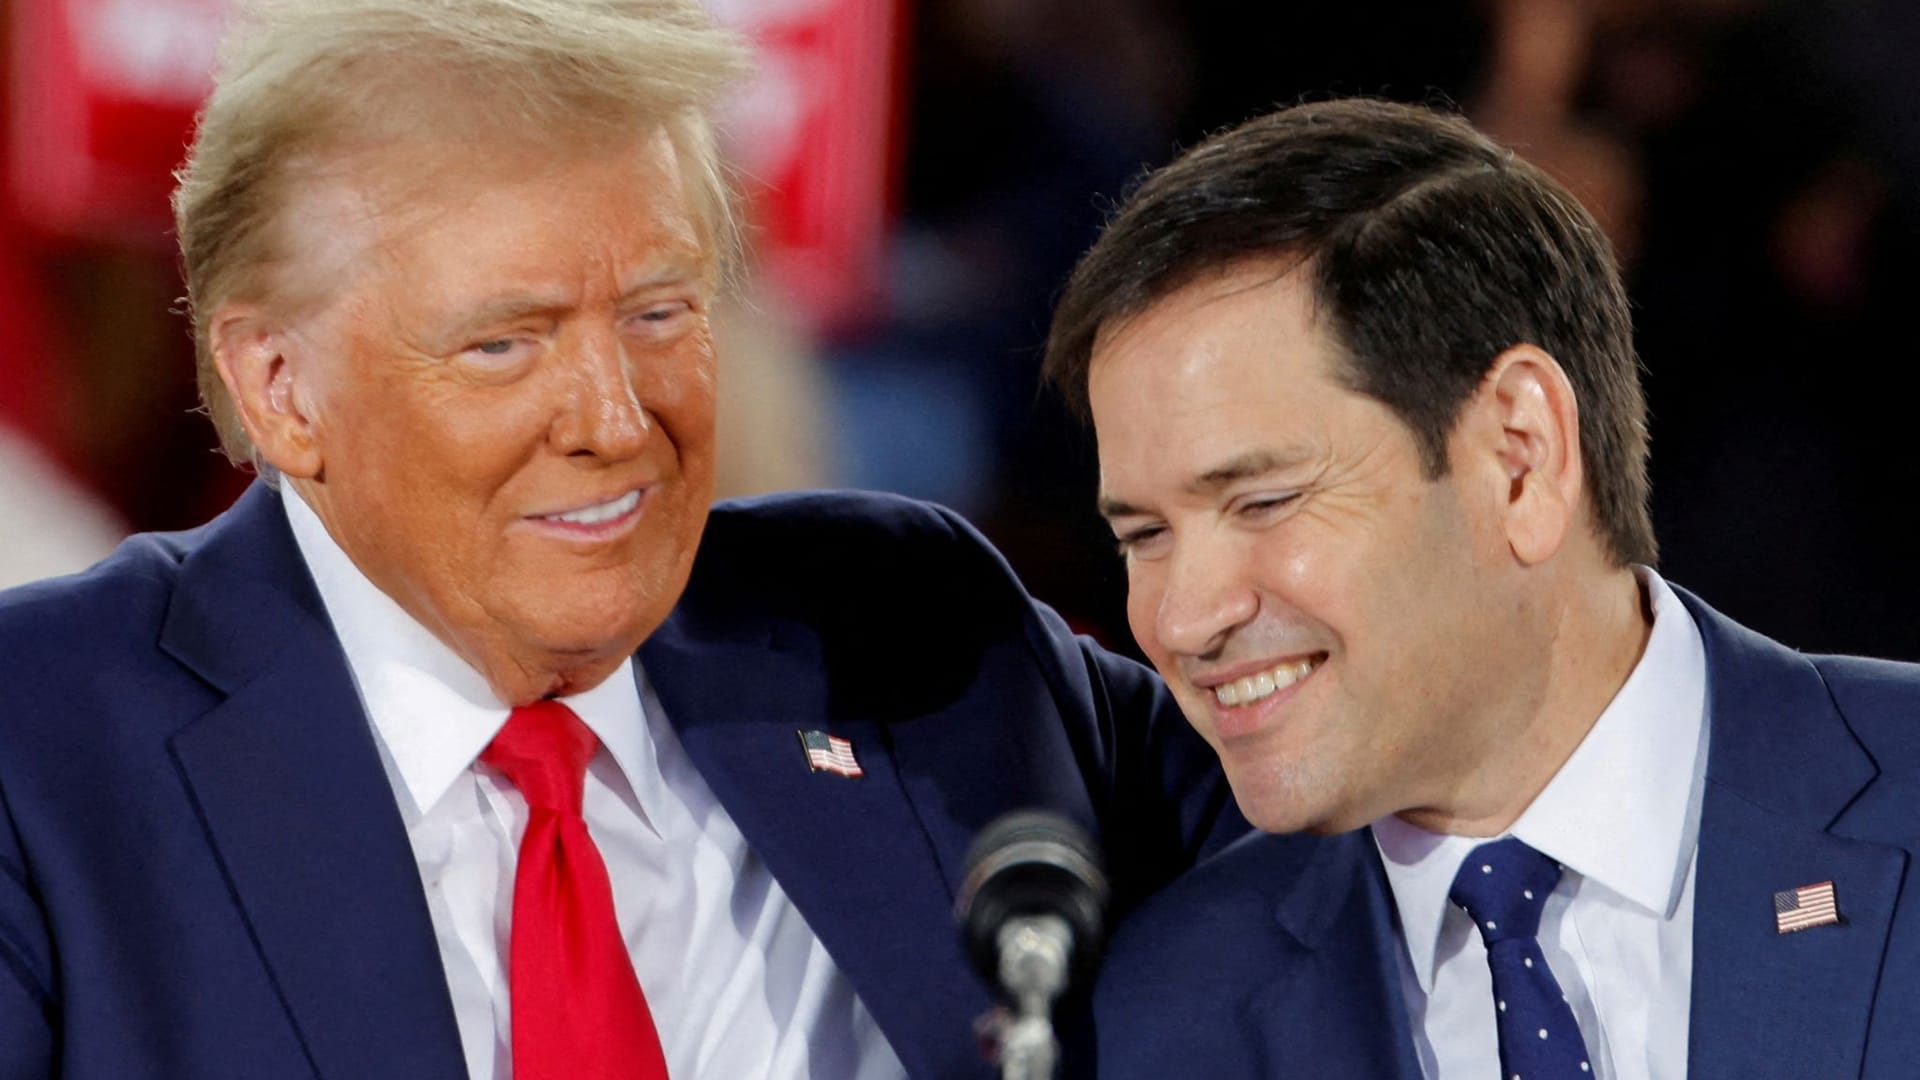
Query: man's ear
1528, 409
250, 351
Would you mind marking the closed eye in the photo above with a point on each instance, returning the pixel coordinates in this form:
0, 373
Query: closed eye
1262, 506
1141, 542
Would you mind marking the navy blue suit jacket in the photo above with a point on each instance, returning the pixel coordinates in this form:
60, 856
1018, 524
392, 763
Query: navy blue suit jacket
1277, 958
203, 872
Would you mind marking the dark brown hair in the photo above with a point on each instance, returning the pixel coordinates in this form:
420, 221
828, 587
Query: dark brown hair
1431, 249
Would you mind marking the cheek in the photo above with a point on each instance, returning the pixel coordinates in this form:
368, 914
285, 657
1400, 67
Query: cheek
1416, 615
435, 467
1144, 590
1291, 568
460, 453
1309, 571
679, 390
484, 432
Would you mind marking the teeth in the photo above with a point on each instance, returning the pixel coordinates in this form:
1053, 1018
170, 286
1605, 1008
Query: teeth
1254, 687
594, 515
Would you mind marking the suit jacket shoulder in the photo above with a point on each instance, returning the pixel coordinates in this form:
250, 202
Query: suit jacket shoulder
202, 868
1880, 701
1274, 958
867, 571
60, 624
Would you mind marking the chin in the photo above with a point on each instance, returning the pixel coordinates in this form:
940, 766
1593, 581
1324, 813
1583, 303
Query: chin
584, 618
1284, 798
1279, 816
591, 634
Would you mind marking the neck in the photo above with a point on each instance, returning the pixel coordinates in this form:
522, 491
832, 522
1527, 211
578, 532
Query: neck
1598, 631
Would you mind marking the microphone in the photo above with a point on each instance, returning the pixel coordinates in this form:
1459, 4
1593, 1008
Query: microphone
1032, 911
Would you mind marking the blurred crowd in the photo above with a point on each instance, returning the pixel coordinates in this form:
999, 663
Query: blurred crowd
1757, 163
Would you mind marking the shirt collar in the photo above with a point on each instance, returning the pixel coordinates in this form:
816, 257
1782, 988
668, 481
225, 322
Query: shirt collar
1623, 811
432, 712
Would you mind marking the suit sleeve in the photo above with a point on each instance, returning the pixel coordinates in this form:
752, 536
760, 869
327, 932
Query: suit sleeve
26, 997
1166, 804
1160, 798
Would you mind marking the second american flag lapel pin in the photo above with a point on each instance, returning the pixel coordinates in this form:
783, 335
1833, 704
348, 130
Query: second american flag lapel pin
1805, 908
830, 754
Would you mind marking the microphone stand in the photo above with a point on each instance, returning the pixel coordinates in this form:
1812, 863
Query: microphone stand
1034, 960
1031, 912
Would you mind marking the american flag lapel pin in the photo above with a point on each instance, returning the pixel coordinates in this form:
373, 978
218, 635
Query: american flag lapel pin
1805, 907
831, 754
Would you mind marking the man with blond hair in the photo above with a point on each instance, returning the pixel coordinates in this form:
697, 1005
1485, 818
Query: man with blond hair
442, 753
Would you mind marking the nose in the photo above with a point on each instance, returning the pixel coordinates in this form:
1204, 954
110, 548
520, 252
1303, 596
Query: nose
601, 414
1207, 596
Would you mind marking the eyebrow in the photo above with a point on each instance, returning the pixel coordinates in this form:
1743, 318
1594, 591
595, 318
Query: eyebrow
1246, 466
501, 309
515, 306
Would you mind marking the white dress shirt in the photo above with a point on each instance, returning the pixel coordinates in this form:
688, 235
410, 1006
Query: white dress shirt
1623, 817
738, 984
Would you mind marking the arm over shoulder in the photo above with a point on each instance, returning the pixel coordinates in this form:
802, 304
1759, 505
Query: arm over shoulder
894, 586
1161, 797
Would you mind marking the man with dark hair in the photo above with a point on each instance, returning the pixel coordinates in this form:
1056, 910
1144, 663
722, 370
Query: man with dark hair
1372, 442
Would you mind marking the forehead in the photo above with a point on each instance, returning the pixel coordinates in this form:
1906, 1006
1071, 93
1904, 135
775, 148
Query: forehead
453, 212
1252, 320
1239, 357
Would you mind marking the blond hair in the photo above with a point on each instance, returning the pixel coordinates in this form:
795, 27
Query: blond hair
302, 79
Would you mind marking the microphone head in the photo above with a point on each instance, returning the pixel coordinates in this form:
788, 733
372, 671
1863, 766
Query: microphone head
1032, 862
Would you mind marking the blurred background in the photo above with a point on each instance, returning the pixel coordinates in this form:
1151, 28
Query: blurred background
922, 174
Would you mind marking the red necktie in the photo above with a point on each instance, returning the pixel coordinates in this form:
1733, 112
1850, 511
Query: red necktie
578, 1011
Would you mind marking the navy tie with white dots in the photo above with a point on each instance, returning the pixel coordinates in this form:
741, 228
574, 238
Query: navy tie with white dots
1503, 885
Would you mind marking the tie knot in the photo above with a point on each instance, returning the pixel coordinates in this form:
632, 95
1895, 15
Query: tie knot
1503, 885
544, 750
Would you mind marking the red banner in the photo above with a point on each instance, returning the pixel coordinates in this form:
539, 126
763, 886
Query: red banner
815, 137
102, 99
104, 91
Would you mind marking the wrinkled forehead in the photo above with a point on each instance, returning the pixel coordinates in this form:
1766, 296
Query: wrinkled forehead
357, 202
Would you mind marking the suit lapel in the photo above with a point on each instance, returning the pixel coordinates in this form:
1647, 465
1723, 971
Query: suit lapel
1758, 993
293, 798
1782, 769
852, 854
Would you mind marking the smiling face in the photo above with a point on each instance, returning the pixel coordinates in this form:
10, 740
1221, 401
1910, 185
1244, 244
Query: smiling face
1343, 630
504, 414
